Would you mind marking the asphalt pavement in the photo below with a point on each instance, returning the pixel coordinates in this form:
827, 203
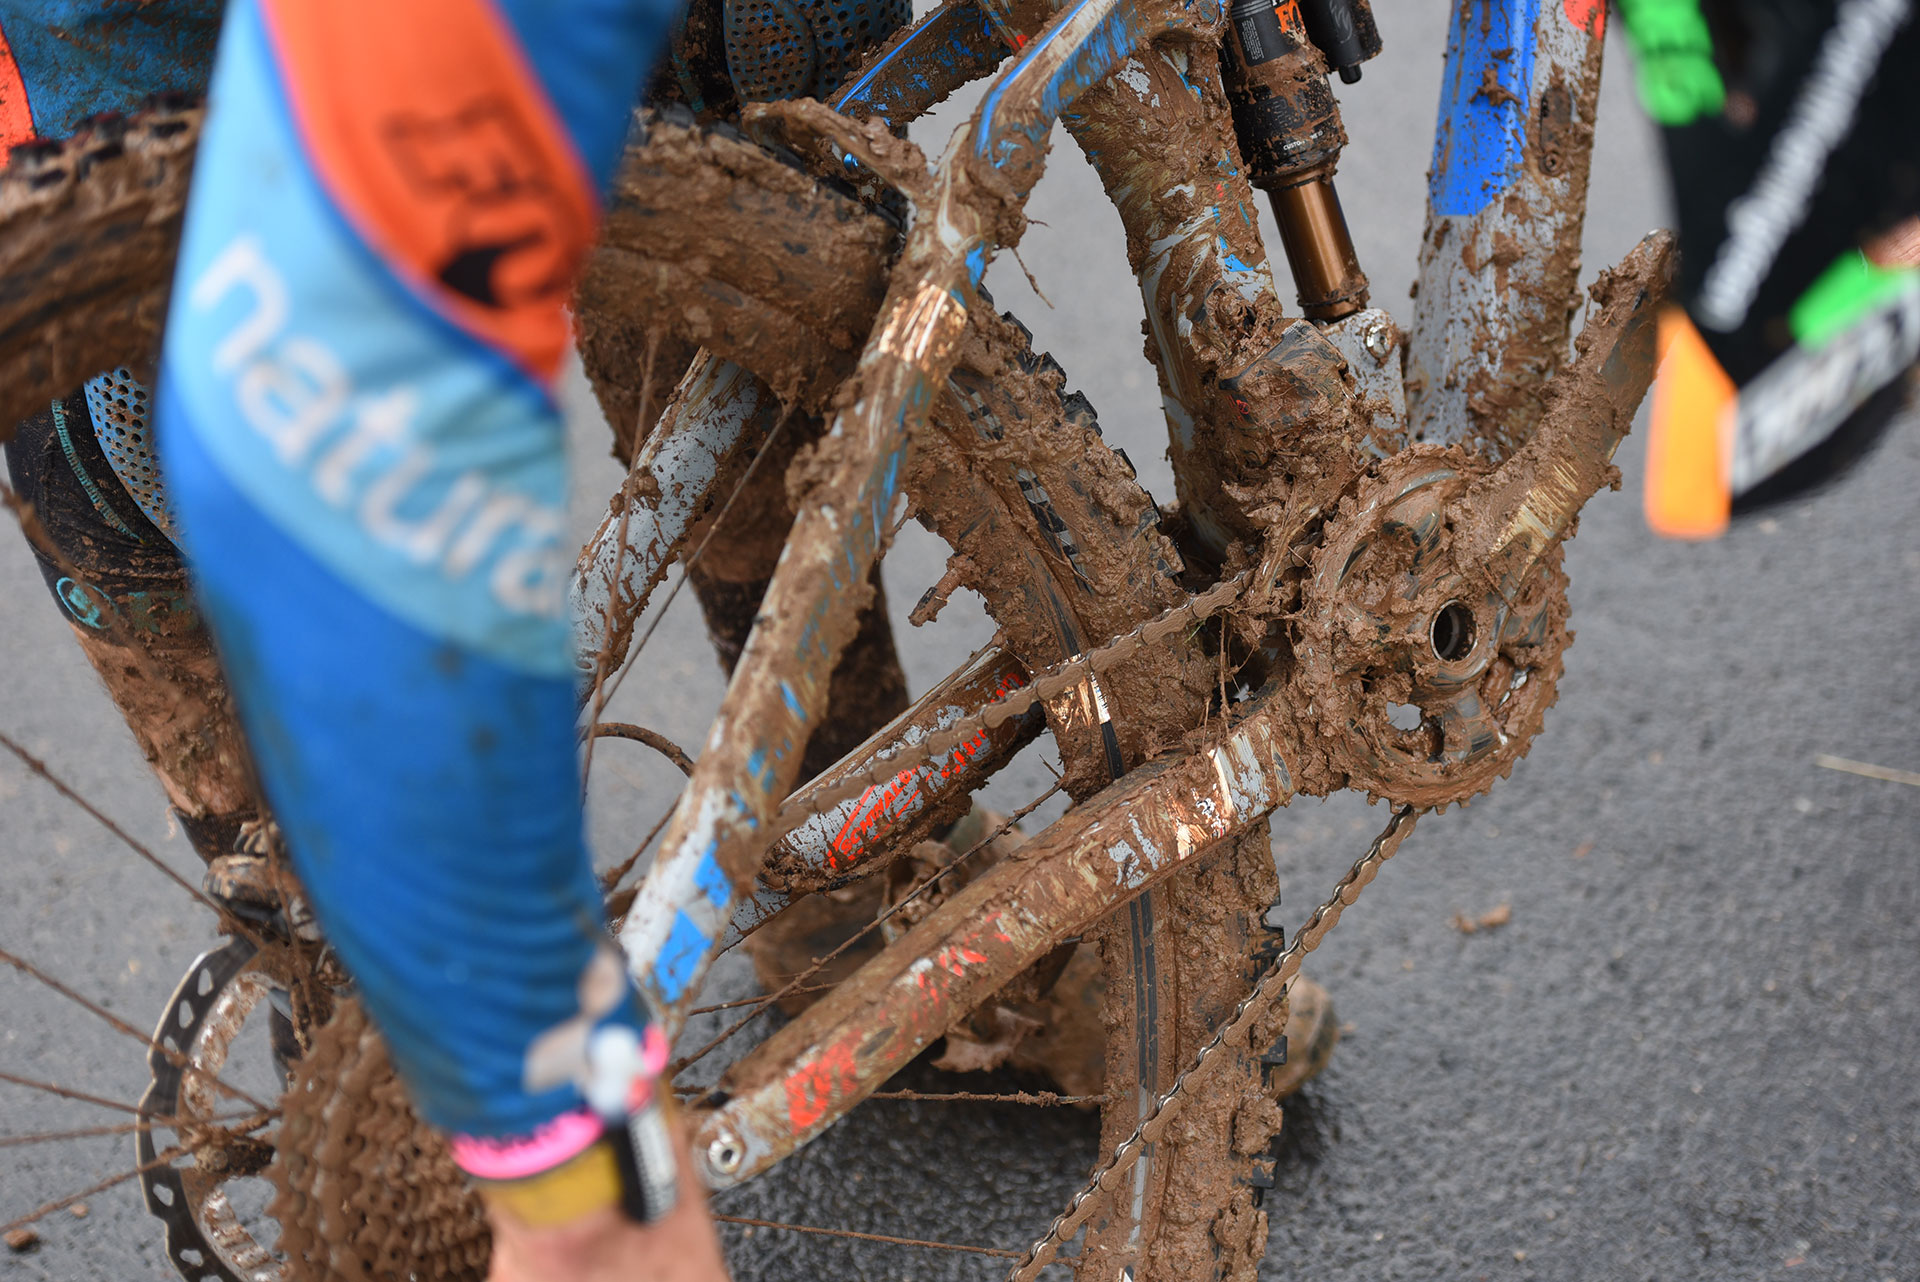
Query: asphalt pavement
1688, 1054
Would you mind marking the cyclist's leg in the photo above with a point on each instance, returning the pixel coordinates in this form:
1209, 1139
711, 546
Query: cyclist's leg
120, 582
62, 63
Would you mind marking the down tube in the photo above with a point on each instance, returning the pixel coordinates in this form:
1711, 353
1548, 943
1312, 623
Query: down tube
717, 838
1506, 199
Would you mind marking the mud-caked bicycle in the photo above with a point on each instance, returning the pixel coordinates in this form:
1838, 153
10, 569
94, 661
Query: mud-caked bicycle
1357, 584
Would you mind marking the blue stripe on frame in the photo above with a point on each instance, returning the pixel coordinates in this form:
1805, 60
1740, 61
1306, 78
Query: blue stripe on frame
1485, 96
679, 958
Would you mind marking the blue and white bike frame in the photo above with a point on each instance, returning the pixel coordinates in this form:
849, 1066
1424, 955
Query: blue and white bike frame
1495, 300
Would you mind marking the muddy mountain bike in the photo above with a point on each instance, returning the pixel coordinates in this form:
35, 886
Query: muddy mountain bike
1356, 585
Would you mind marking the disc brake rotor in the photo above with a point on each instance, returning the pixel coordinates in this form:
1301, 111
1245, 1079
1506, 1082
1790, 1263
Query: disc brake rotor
206, 1236
1426, 681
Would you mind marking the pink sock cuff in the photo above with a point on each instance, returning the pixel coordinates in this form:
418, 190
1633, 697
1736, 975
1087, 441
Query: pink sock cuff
518, 1157
565, 1137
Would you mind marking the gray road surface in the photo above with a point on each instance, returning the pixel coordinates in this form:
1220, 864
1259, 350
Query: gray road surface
1690, 1055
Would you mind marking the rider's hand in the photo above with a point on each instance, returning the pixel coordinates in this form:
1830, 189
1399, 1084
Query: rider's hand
605, 1246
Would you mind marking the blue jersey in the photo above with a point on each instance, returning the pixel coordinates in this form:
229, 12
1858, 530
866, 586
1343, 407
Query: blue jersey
363, 455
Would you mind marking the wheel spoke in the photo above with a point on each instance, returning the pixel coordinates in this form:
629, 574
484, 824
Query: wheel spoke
176, 1058
867, 1237
148, 1124
39, 767
761, 1000
1037, 1099
619, 900
60, 1204
793, 984
66, 1092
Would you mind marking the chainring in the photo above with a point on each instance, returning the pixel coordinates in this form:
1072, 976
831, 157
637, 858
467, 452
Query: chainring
1427, 683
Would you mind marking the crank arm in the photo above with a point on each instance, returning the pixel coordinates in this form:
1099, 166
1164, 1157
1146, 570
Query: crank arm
1154, 822
1513, 517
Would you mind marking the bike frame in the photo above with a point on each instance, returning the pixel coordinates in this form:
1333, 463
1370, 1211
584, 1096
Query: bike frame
1506, 203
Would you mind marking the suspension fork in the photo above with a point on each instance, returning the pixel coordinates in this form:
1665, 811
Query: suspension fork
1506, 200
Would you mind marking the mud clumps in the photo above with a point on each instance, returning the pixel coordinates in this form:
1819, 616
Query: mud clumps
689, 244
88, 232
1051, 529
1427, 681
1503, 282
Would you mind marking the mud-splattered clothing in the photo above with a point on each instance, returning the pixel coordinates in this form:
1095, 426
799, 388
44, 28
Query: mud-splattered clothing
63, 62
364, 458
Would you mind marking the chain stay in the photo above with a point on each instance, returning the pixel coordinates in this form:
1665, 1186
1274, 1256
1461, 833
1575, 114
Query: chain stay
1265, 995
1049, 684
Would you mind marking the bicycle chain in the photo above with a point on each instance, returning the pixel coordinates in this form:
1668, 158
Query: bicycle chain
1271, 989
1048, 684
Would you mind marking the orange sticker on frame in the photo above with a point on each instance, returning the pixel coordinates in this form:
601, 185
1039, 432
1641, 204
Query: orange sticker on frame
814, 1088
1588, 15
16, 113
429, 129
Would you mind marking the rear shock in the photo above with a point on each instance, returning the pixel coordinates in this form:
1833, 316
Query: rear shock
1290, 135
